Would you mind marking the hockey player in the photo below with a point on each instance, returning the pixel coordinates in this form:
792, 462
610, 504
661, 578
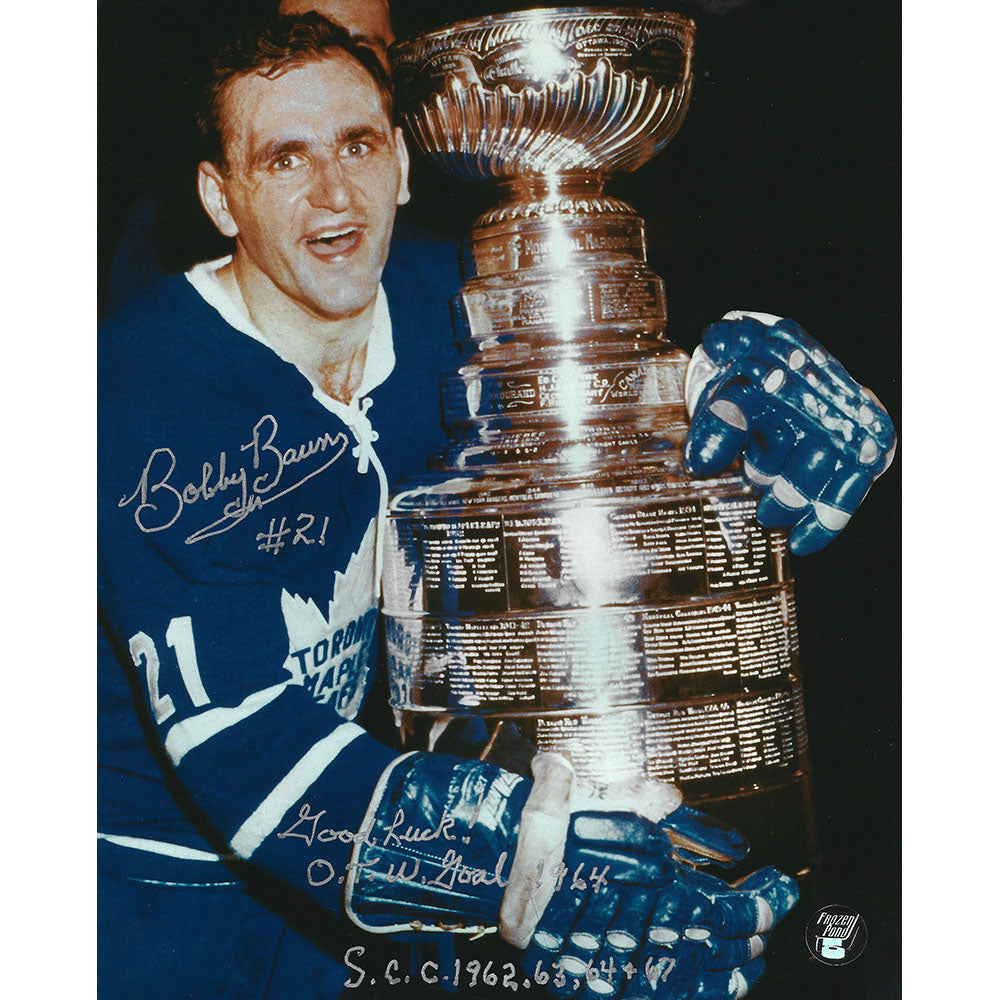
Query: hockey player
240, 505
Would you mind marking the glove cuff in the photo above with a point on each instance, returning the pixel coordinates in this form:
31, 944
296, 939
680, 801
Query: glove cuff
541, 844
700, 371
437, 840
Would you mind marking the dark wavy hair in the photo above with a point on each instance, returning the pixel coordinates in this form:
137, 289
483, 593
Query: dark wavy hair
270, 48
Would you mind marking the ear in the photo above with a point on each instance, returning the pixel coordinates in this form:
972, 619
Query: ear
212, 191
402, 154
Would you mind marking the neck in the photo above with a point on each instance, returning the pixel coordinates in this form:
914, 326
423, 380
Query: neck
331, 353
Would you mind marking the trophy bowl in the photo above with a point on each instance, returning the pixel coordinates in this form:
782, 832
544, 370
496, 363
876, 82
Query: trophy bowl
546, 91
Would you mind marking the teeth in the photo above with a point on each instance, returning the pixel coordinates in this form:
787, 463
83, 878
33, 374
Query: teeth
332, 234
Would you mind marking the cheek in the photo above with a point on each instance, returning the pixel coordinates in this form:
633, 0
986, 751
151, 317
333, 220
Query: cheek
278, 205
271, 215
289, 197
385, 197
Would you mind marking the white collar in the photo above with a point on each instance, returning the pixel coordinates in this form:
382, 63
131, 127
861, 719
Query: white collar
379, 360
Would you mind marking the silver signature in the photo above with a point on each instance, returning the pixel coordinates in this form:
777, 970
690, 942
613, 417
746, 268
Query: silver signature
266, 479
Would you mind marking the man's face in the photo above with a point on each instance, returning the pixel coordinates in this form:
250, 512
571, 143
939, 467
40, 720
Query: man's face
315, 172
366, 20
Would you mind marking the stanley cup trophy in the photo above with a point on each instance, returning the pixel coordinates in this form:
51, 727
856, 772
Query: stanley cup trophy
559, 580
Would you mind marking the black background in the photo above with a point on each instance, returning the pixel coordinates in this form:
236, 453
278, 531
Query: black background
781, 192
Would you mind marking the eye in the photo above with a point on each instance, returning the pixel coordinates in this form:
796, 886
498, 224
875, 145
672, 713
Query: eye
286, 161
356, 149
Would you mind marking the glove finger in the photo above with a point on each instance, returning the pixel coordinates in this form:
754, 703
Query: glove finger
800, 352
671, 964
734, 983
780, 891
760, 390
552, 928
730, 953
587, 936
723, 912
769, 443
726, 911
728, 340
831, 511
808, 470
795, 334
677, 906
751, 907
700, 838
718, 429
542, 963
626, 930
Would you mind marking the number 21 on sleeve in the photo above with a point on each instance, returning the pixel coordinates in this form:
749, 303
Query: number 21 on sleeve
180, 638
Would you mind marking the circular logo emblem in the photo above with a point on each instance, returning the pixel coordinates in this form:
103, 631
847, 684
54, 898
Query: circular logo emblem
836, 934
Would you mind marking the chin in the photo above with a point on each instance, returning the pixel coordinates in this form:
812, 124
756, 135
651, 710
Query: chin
341, 300
336, 307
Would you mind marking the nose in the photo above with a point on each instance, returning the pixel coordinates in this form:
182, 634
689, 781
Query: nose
330, 185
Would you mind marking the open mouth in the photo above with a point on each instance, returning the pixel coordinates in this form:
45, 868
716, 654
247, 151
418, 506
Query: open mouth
334, 242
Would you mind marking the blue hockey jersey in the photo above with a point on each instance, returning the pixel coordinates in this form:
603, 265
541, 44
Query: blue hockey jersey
238, 519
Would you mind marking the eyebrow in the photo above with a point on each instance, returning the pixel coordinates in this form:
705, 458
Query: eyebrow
282, 147
277, 147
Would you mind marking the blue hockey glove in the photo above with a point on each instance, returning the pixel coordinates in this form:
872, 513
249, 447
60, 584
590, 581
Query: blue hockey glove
461, 845
627, 921
812, 439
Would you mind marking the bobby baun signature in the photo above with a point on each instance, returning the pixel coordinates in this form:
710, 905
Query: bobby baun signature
161, 502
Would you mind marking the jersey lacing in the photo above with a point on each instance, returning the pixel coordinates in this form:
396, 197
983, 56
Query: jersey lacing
356, 417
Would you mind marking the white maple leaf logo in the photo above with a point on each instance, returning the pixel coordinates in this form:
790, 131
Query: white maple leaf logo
329, 652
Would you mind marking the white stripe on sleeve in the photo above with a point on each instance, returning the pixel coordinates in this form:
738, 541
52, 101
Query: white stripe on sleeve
190, 733
159, 847
291, 788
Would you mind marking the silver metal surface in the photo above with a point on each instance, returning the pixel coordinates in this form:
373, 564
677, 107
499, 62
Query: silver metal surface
546, 90
558, 576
